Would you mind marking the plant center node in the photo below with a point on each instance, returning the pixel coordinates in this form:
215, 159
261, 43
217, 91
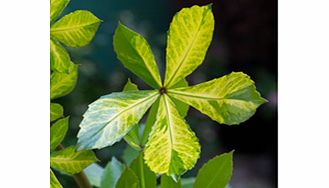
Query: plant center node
162, 90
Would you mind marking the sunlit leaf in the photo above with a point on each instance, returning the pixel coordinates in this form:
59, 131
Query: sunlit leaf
216, 173
181, 106
71, 161
56, 111
136, 55
57, 132
62, 84
59, 58
112, 173
56, 8
128, 179
189, 36
147, 178
172, 147
54, 183
75, 29
111, 117
230, 100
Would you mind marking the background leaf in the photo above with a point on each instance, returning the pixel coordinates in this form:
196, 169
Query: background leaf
147, 178
112, 173
216, 173
62, 84
129, 155
94, 174
187, 182
57, 132
71, 161
189, 37
128, 179
60, 60
54, 183
56, 8
172, 147
168, 182
111, 117
56, 111
75, 29
135, 54
230, 99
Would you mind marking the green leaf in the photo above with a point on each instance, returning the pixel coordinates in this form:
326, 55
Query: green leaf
132, 138
189, 36
187, 182
57, 132
94, 174
147, 178
56, 111
60, 60
150, 121
128, 179
216, 173
54, 183
56, 8
231, 99
75, 29
129, 155
168, 182
136, 55
172, 147
71, 161
181, 107
112, 173
62, 84
111, 117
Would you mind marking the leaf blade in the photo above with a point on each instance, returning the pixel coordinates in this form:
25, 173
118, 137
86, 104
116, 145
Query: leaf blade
189, 37
135, 54
54, 183
168, 182
112, 173
56, 8
60, 60
216, 173
57, 132
128, 179
70, 161
230, 99
112, 116
171, 141
147, 178
76, 29
56, 111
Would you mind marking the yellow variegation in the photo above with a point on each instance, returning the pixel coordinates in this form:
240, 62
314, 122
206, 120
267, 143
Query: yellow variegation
75, 29
71, 161
57, 132
111, 117
60, 60
56, 8
136, 55
172, 147
231, 99
54, 183
62, 84
189, 36
56, 111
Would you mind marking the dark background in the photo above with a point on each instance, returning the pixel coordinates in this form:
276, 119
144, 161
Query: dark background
245, 39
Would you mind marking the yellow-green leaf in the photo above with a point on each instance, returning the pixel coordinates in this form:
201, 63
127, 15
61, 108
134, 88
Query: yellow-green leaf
71, 161
62, 84
54, 183
172, 147
112, 116
56, 111
59, 58
230, 100
216, 173
75, 29
57, 132
136, 55
56, 8
189, 36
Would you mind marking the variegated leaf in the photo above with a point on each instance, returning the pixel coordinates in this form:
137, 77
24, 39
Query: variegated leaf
60, 60
172, 147
112, 116
75, 29
71, 161
56, 8
189, 36
136, 55
54, 183
230, 99
57, 132
56, 111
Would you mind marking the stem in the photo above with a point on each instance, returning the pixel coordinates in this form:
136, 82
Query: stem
142, 171
80, 178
